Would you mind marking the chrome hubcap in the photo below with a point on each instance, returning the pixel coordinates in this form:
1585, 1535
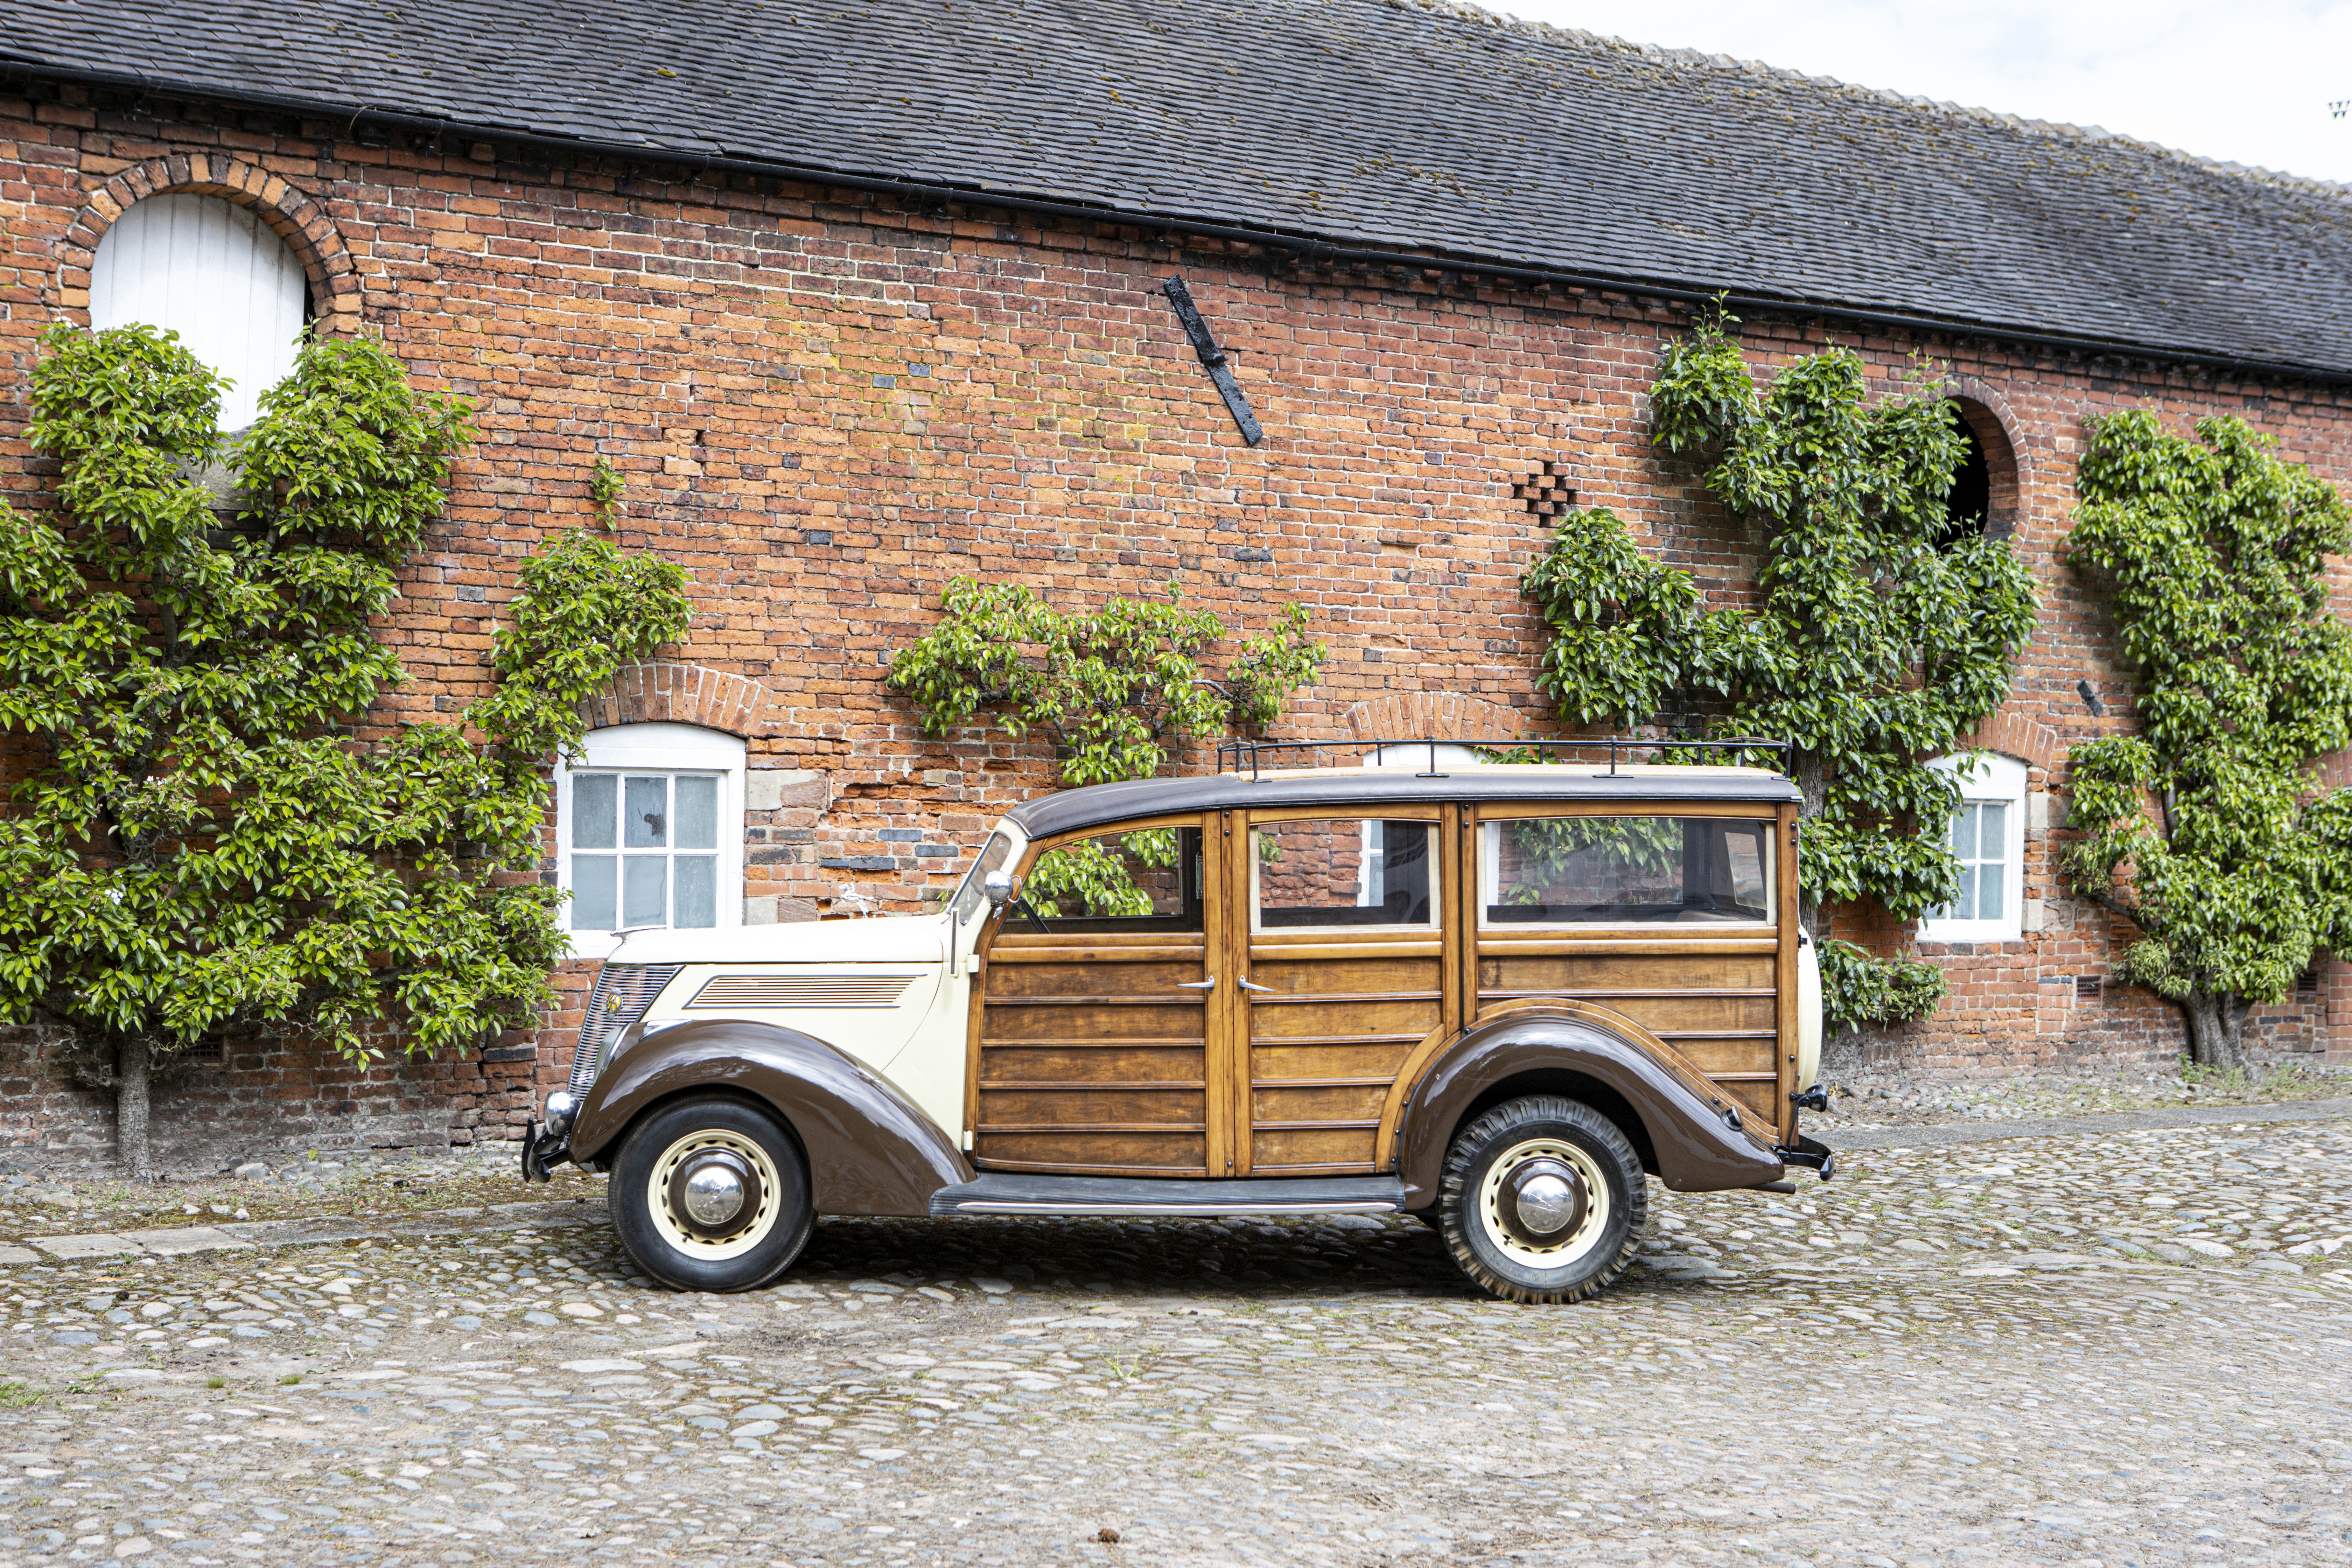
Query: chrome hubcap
714, 1193
1543, 1198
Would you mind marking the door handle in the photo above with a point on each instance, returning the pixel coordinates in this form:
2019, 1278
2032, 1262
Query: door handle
1251, 985
1208, 985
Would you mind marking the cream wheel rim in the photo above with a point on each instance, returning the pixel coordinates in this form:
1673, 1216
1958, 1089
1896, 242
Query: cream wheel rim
1573, 1243
710, 1146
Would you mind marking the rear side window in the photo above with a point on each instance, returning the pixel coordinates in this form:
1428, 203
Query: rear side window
1617, 870
1343, 871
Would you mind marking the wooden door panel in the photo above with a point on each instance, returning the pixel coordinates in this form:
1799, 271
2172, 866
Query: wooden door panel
1319, 1150
1676, 972
1127, 1104
1718, 1057
1343, 1018
1148, 973
1155, 1151
1023, 1020
1316, 1104
1285, 1063
1093, 1061
1357, 976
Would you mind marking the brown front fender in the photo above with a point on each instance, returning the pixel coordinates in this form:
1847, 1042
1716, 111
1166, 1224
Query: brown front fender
1557, 1048
869, 1150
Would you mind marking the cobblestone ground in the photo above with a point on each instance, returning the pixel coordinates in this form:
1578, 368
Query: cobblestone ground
2113, 1348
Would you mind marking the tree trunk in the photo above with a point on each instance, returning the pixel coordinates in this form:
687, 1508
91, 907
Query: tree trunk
2216, 1028
131, 1064
1811, 776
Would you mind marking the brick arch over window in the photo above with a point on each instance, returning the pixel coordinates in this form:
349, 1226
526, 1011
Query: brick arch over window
2014, 735
685, 694
1432, 716
1992, 421
290, 212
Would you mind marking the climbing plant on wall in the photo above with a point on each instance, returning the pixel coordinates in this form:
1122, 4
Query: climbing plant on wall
204, 843
1115, 688
1878, 635
2205, 830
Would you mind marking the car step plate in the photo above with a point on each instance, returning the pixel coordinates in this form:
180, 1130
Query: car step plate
1007, 1195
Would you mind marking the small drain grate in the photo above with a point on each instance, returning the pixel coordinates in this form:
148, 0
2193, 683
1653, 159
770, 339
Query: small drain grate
1549, 490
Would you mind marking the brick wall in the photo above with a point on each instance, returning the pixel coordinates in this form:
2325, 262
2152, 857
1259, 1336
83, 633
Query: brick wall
826, 405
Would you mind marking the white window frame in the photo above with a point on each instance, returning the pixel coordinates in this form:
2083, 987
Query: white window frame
657, 748
1988, 778
215, 273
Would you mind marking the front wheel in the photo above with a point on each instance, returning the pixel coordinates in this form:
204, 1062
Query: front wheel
710, 1193
1543, 1200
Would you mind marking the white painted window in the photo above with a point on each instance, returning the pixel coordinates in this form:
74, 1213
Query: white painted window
1987, 833
214, 273
649, 832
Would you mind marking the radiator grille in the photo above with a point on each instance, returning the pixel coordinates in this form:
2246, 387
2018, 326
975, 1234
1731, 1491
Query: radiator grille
622, 993
802, 991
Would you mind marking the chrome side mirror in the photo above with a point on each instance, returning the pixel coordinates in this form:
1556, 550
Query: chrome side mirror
999, 888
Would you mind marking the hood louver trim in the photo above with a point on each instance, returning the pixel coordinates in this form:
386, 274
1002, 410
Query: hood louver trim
802, 991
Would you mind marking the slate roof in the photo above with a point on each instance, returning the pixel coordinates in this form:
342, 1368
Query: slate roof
1380, 124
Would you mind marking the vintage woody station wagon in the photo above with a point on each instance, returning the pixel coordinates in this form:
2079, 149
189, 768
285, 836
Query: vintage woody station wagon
1490, 996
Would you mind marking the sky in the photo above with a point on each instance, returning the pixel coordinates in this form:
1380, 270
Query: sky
2245, 81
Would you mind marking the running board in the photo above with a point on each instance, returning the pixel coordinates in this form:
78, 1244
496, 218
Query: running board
1005, 1195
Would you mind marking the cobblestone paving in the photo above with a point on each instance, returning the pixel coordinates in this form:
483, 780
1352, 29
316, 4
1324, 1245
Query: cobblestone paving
2120, 1348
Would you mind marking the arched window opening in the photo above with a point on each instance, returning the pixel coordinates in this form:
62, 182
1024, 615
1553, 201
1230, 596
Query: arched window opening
1970, 506
215, 274
1984, 495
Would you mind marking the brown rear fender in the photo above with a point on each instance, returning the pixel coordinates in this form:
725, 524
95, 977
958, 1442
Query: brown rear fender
869, 1150
1568, 1048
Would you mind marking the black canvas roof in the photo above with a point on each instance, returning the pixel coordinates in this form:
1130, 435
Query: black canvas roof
1363, 791
1380, 124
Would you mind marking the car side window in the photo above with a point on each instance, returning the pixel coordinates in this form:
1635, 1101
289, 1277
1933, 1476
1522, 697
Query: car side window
1139, 879
1343, 871
1613, 870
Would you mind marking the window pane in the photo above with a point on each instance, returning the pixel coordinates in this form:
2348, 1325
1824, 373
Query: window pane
697, 814
1964, 833
645, 820
1990, 877
1571, 870
697, 892
1152, 876
645, 881
592, 893
592, 810
1344, 871
1992, 832
1966, 909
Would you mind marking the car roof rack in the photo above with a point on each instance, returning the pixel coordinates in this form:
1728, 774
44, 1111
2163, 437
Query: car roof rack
1231, 753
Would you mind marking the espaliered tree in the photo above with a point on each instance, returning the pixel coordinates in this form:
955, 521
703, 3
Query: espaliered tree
205, 843
1880, 633
1115, 688
2205, 830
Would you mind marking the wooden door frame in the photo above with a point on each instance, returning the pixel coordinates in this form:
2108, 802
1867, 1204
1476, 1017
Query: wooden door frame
1244, 945
1080, 945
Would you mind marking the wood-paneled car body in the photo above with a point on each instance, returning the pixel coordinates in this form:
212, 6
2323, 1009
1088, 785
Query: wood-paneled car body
1496, 996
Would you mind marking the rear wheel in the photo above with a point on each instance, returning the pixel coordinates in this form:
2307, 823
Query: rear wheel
1543, 1200
710, 1193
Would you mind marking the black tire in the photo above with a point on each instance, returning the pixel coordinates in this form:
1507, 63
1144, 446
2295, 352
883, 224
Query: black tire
1543, 1135
687, 1255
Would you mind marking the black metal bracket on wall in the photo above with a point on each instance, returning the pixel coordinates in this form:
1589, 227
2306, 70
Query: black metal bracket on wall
1214, 358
